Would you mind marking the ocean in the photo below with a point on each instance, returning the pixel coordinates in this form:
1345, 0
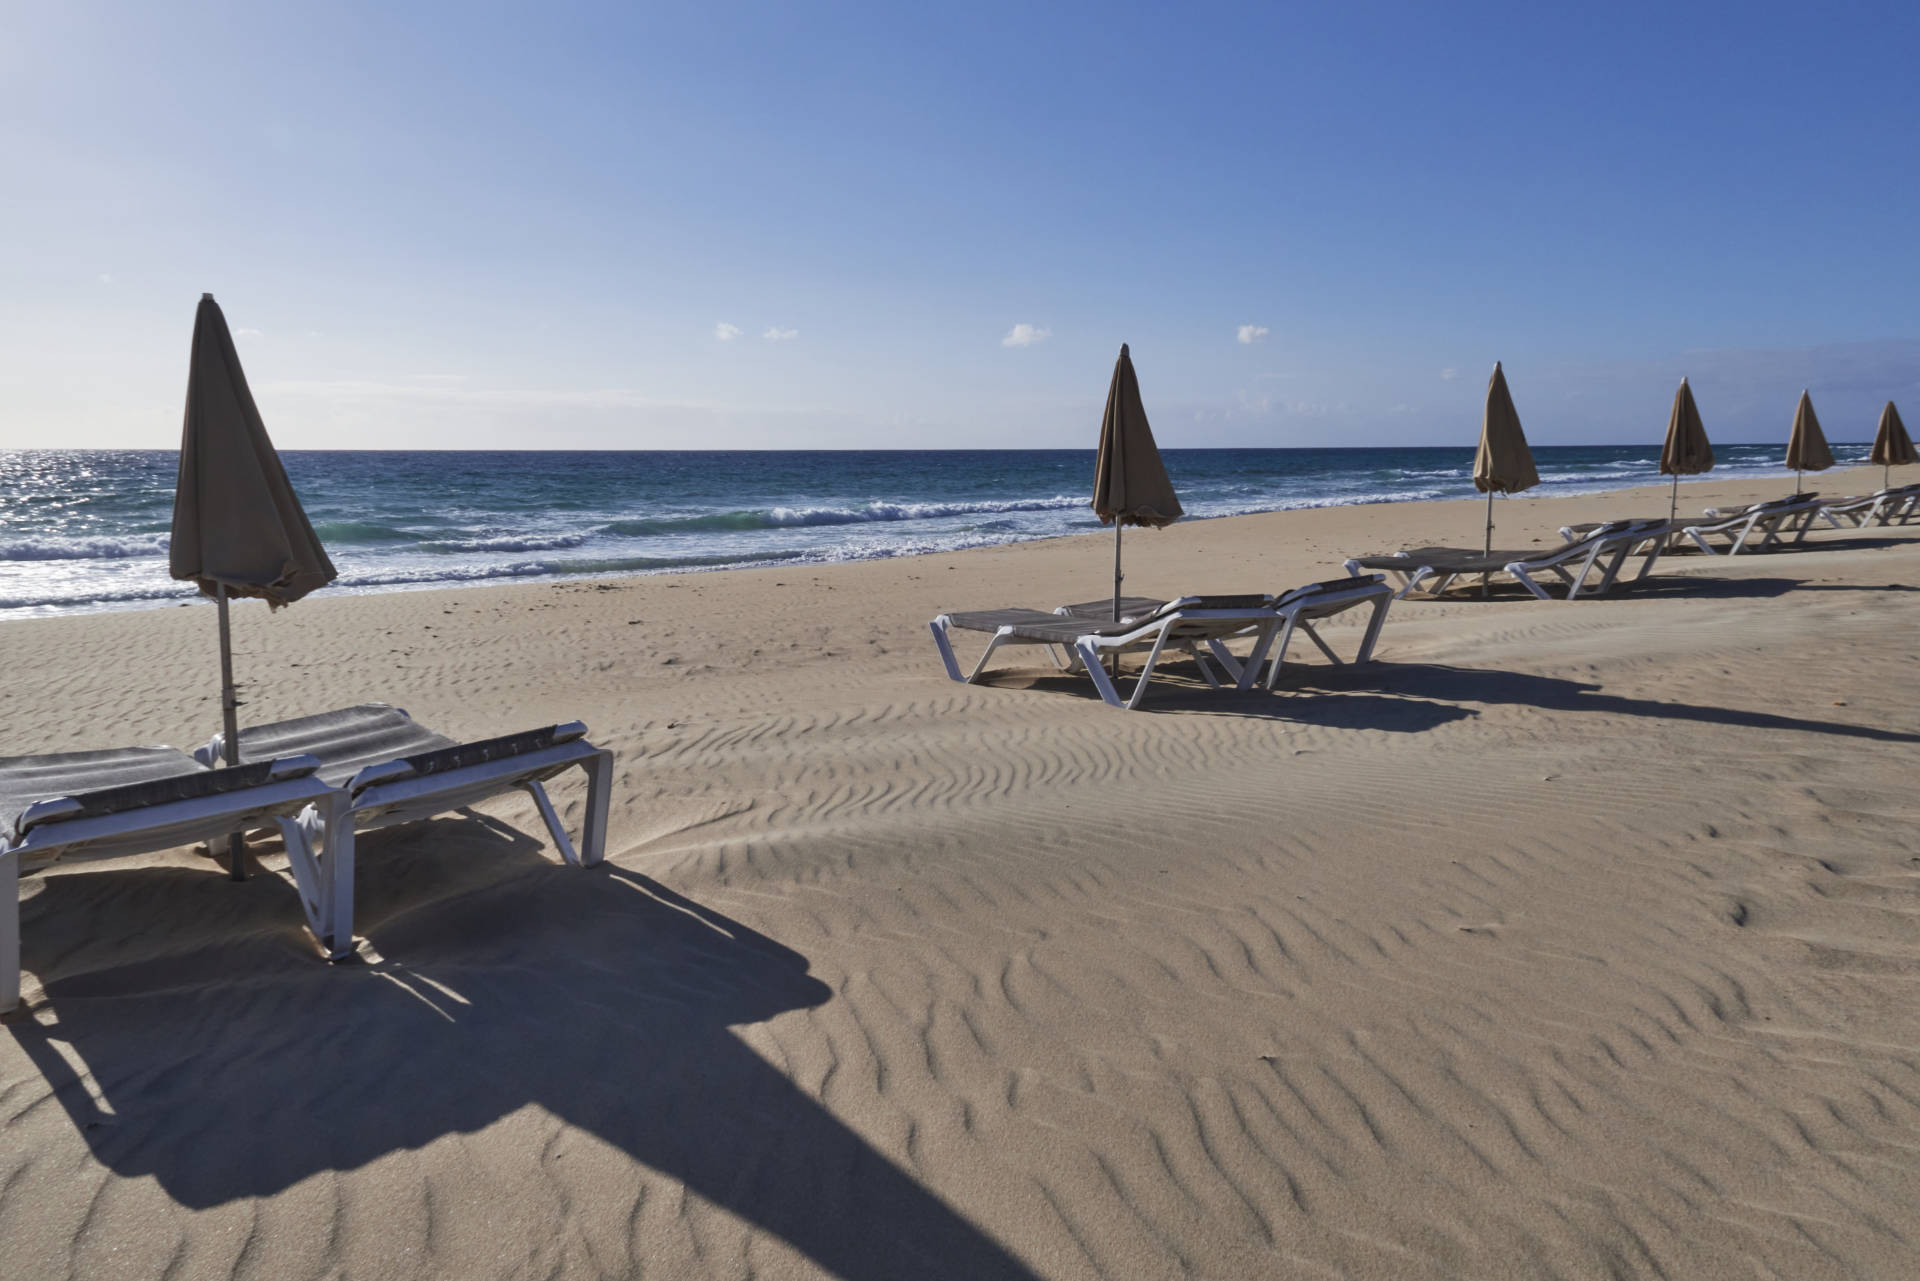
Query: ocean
87, 529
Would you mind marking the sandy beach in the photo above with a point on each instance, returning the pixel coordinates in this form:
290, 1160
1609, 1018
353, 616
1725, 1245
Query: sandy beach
1567, 940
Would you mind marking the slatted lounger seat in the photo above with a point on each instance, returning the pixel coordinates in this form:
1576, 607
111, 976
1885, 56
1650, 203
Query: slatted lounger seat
1297, 609
1185, 624
1606, 547
136, 800
1756, 527
391, 769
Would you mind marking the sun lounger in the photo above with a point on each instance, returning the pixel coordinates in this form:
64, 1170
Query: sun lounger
1605, 548
137, 800
390, 770
1297, 610
1185, 624
1880, 508
1756, 527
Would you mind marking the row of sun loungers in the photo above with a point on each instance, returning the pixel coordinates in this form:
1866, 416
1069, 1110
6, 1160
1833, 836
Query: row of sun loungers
1590, 561
1083, 637
316, 780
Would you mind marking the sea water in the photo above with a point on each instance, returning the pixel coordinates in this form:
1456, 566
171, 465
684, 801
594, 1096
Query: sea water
87, 529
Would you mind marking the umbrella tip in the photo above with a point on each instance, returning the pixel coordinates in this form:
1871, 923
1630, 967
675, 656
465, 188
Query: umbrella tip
1123, 349
206, 297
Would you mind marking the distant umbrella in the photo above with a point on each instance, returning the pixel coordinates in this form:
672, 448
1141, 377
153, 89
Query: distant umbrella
1892, 447
1504, 464
238, 529
1687, 451
1130, 485
1807, 446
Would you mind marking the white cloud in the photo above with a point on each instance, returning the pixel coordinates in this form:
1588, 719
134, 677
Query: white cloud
1025, 336
1250, 334
1448, 374
777, 334
248, 333
106, 277
725, 332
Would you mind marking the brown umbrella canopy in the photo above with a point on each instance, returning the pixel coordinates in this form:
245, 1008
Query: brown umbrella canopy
1687, 451
1807, 447
1892, 447
1130, 485
1504, 464
236, 521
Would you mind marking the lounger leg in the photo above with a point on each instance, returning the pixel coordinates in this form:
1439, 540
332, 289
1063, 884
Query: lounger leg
1280, 649
1526, 581
1090, 659
1224, 656
338, 851
1314, 636
320, 856
1206, 672
1374, 625
1146, 673
9, 932
1251, 672
593, 839
561, 841
999, 638
939, 629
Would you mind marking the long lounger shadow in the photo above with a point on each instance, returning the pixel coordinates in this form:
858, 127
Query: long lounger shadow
1467, 685
239, 1069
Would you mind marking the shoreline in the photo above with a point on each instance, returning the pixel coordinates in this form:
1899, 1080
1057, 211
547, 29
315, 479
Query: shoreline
1726, 482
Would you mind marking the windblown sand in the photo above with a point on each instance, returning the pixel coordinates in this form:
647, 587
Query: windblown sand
1565, 941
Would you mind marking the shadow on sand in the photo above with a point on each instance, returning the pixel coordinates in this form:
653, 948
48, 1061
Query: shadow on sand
1412, 698
244, 1066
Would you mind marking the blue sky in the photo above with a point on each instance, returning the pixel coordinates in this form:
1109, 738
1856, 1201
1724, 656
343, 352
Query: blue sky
635, 226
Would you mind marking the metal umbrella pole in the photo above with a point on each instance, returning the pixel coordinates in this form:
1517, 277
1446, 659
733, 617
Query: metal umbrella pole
1486, 548
230, 720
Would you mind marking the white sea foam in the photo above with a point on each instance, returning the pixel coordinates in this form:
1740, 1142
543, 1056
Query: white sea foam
96, 548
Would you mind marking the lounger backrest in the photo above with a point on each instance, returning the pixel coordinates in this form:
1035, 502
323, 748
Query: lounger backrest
1327, 587
128, 797
460, 756
1187, 604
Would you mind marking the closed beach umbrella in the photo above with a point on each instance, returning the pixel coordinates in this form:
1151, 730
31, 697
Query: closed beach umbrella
1130, 486
1504, 464
238, 529
1807, 446
1892, 447
1687, 452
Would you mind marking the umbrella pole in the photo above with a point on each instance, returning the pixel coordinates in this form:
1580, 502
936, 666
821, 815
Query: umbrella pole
230, 722
1673, 508
1486, 548
1117, 527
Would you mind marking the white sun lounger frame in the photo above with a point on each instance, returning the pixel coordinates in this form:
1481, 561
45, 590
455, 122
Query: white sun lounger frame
1301, 614
1880, 508
292, 799
1185, 628
1768, 523
1586, 553
388, 794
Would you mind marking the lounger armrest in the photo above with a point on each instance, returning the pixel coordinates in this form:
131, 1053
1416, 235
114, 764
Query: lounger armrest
50, 810
286, 767
374, 775
162, 791
1329, 586
446, 760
